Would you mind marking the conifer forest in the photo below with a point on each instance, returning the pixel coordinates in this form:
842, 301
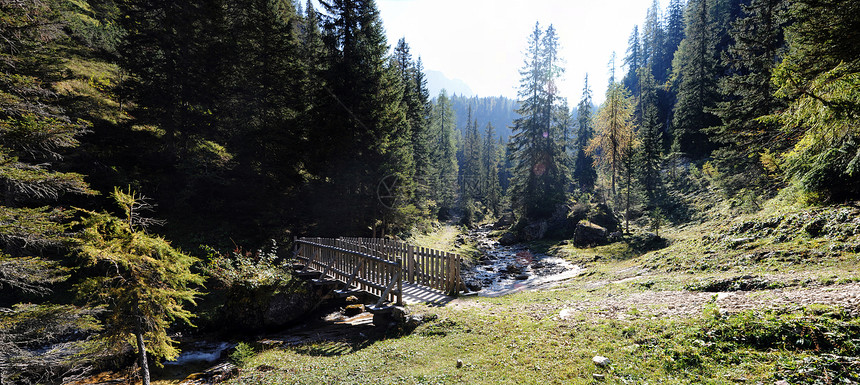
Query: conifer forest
160, 159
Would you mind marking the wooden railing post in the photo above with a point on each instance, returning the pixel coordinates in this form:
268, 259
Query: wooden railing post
410, 264
399, 282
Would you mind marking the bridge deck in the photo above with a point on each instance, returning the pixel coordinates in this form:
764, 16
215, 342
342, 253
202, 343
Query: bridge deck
417, 294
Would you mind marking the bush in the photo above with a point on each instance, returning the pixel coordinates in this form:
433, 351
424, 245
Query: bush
242, 354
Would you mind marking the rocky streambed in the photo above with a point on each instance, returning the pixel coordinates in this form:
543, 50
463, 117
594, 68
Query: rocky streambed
503, 270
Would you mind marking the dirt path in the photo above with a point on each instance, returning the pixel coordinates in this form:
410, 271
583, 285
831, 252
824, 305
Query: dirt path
687, 303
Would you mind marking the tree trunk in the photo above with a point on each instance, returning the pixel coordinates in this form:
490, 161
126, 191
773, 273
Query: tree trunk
141, 349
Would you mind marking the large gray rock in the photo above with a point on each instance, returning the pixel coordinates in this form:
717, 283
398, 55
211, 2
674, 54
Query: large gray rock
508, 238
534, 231
603, 216
588, 233
284, 308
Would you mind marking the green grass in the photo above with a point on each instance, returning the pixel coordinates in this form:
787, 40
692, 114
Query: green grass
521, 338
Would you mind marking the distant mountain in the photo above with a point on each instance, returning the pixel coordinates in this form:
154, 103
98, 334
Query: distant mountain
436, 81
497, 110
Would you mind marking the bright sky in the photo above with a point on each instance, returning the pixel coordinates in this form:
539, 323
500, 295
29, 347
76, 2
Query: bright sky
482, 41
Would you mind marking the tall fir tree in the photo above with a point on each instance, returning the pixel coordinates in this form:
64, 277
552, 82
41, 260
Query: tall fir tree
749, 95
492, 191
583, 168
649, 158
471, 167
416, 103
820, 81
674, 35
694, 65
634, 60
653, 36
367, 121
444, 152
536, 147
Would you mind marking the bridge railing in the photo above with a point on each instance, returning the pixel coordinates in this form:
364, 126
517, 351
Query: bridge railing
345, 262
424, 266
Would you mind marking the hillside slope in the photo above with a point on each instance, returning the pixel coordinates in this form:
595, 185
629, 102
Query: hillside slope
766, 298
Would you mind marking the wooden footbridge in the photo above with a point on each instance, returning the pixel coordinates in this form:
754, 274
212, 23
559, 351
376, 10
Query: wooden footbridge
393, 271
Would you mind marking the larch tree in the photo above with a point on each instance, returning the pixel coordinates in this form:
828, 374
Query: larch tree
613, 136
142, 280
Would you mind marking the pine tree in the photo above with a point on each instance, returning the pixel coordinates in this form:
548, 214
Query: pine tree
141, 278
536, 146
583, 169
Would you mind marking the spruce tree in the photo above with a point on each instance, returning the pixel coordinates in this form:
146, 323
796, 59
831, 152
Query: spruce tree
649, 158
583, 169
536, 146
749, 95
444, 152
366, 119
695, 66
820, 81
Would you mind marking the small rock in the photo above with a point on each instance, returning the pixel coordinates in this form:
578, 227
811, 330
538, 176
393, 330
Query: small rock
600, 361
781, 382
354, 309
522, 276
598, 376
459, 364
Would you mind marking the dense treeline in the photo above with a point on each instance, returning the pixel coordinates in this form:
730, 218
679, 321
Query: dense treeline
726, 95
250, 120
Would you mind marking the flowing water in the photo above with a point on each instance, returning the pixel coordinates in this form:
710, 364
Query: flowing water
504, 270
